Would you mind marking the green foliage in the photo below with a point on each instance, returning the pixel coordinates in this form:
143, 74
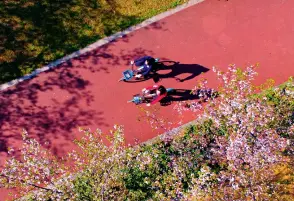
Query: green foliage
191, 129
282, 104
83, 188
175, 3
136, 182
167, 161
205, 128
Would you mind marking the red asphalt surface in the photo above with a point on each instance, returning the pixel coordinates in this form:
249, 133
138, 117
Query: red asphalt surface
85, 92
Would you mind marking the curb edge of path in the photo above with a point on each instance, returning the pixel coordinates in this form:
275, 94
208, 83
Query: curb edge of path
100, 43
172, 132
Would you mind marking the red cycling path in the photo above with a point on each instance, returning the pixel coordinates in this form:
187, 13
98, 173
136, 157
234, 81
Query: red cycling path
84, 92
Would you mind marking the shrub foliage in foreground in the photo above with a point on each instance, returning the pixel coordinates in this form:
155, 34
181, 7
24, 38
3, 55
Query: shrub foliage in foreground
240, 149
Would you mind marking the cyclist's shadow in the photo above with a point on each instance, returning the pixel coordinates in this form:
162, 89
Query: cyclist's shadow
188, 95
175, 69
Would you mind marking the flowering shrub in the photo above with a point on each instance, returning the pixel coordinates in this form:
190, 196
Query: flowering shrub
36, 168
250, 134
240, 149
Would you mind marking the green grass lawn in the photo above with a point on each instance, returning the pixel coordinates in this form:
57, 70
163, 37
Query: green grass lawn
34, 33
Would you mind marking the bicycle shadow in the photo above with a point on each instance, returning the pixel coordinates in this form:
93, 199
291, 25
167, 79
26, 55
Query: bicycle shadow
177, 69
188, 95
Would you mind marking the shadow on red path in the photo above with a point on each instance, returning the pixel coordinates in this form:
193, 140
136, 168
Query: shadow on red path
175, 69
53, 105
57, 115
85, 92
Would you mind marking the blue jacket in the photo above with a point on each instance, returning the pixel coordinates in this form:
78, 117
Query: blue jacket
141, 61
145, 69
